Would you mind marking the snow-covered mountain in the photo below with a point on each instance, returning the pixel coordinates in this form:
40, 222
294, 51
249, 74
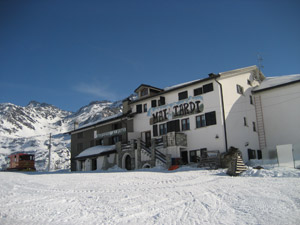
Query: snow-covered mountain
27, 129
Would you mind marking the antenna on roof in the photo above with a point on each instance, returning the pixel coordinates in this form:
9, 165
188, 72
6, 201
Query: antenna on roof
259, 60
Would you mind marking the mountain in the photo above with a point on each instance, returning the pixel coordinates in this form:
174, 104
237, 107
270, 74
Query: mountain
27, 129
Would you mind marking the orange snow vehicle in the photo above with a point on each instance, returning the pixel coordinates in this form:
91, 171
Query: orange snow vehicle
21, 162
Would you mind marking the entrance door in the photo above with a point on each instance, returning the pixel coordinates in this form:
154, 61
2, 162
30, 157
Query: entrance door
148, 138
128, 162
184, 157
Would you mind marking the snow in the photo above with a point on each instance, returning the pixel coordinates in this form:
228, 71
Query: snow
102, 120
96, 150
276, 81
179, 85
154, 196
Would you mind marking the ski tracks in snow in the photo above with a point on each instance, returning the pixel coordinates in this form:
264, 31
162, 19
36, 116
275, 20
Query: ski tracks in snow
183, 197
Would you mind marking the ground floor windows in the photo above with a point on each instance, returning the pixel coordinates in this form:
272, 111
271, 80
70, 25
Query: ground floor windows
185, 124
206, 119
195, 156
251, 154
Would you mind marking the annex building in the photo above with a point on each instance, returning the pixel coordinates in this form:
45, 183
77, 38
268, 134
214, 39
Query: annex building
182, 124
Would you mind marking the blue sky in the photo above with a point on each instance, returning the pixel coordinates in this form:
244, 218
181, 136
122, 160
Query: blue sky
70, 52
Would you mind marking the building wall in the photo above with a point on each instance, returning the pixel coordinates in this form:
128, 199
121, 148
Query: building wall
281, 110
240, 116
238, 108
81, 140
197, 138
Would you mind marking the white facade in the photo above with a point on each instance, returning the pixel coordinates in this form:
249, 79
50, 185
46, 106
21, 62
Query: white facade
281, 109
239, 112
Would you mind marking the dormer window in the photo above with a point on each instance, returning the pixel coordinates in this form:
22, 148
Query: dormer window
144, 92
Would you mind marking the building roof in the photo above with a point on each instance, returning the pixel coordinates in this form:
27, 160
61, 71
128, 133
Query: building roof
210, 77
97, 151
175, 87
99, 122
146, 86
275, 82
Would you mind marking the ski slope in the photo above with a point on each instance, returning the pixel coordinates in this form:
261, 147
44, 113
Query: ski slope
156, 196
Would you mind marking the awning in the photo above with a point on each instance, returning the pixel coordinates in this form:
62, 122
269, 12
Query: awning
97, 151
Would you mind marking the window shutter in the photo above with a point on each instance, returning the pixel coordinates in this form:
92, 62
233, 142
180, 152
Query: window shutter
153, 103
139, 108
162, 100
198, 91
210, 118
182, 95
208, 87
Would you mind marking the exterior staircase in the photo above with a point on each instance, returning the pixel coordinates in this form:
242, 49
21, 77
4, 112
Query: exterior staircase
159, 156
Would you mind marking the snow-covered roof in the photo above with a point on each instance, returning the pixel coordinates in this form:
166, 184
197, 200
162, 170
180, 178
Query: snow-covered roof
103, 120
271, 82
96, 150
179, 85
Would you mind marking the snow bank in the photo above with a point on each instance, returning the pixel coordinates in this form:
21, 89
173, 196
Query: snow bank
187, 196
271, 171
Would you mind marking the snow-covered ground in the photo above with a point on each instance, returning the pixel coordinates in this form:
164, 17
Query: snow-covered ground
156, 196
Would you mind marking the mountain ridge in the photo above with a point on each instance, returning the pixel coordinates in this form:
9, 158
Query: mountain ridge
27, 129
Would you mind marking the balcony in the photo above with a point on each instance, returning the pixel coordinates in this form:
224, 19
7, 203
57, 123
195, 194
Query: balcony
174, 139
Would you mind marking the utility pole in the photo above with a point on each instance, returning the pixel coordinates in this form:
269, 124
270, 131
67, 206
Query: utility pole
49, 147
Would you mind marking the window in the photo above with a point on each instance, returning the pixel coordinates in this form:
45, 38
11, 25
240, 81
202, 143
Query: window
245, 122
145, 107
200, 121
80, 135
239, 89
249, 82
208, 87
203, 152
139, 108
206, 119
116, 139
259, 154
195, 156
210, 118
117, 126
185, 124
198, 91
163, 129
162, 100
182, 95
251, 154
144, 92
155, 133
153, 103
99, 142
173, 126
254, 126
251, 99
